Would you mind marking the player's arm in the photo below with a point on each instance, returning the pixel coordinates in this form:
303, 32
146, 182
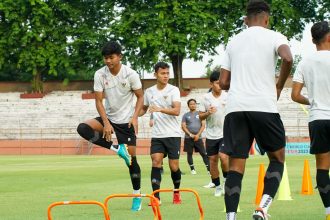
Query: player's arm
203, 111
285, 53
202, 128
151, 120
185, 129
107, 130
196, 137
175, 110
143, 110
138, 106
225, 71
210, 111
224, 79
296, 94
145, 104
139, 102
204, 115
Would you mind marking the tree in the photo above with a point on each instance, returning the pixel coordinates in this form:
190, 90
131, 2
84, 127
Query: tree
209, 70
176, 30
173, 30
44, 37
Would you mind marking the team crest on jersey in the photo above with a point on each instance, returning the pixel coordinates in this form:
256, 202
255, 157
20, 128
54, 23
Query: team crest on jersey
165, 96
123, 84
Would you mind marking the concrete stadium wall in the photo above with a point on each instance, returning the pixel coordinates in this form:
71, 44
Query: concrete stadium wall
48, 125
76, 147
63, 147
88, 85
48, 86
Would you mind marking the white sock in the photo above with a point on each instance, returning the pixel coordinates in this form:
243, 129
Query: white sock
265, 202
137, 191
115, 149
231, 216
327, 210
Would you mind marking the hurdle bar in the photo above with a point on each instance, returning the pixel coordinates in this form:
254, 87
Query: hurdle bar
199, 204
156, 210
87, 202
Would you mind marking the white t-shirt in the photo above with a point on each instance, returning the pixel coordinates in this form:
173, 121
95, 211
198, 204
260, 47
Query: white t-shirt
118, 90
214, 122
164, 125
251, 56
314, 72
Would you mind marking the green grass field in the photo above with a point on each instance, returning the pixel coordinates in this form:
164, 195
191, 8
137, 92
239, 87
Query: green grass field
28, 184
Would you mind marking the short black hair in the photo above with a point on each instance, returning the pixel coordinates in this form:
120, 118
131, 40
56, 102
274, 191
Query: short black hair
255, 7
190, 100
161, 65
111, 47
319, 30
214, 76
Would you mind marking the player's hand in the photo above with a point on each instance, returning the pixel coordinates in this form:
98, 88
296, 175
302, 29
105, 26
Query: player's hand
107, 131
196, 137
278, 93
154, 108
212, 109
151, 122
134, 121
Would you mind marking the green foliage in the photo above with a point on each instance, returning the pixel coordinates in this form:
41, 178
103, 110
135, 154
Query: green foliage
324, 9
296, 60
209, 70
162, 28
58, 39
176, 30
42, 38
290, 16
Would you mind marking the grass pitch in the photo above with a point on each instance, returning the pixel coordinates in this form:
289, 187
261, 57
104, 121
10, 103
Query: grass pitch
28, 184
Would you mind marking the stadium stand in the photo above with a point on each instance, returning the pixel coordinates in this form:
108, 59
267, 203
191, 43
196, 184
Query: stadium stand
56, 116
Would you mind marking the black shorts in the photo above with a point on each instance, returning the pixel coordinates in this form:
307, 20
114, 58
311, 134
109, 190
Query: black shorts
214, 146
190, 145
124, 134
168, 146
319, 132
240, 128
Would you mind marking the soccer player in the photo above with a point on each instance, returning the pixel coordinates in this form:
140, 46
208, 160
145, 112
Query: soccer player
213, 111
118, 84
248, 72
314, 72
163, 101
193, 128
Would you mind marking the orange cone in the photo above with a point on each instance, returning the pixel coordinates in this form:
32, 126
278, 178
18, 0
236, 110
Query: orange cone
260, 186
307, 188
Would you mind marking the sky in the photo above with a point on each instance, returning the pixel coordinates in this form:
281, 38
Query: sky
193, 69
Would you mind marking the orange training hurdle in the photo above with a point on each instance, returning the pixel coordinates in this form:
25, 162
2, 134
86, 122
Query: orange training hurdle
199, 204
91, 202
156, 210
